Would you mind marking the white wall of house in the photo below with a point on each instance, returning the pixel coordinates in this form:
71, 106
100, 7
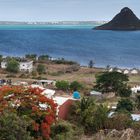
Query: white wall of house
126, 72
134, 71
3, 65
26, 66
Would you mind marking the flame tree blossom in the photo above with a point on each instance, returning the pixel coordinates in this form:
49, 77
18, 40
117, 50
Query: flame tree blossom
30, 103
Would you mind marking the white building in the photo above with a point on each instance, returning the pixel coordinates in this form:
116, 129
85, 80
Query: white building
134, 71
126, 71
3, 64
119, 70
25, 66
135, 89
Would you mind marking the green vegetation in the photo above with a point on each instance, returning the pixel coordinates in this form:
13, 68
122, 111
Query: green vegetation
125, 105
62, 85
12, 66
41, 69
13, 127
111, 82
75, 86
125, 92
89, 115
91, 64
63, 130
31, 56
63, 61
43, 58
120, 121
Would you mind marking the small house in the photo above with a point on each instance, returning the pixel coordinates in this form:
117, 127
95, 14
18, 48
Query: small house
111, 69
24, 66
134, 71
64, 104
3, 64
119, 70
126, 71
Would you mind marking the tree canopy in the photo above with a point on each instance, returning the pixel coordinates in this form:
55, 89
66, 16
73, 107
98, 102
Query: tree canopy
12, 66
41, 69
110, 81
30, 103
125, 105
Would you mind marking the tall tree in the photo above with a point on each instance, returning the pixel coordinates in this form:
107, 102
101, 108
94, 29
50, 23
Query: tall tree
111, 81
12, 66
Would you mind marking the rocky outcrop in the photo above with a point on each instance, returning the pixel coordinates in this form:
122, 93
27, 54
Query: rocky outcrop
125, 20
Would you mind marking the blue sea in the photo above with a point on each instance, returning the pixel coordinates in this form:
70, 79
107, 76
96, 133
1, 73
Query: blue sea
73, 42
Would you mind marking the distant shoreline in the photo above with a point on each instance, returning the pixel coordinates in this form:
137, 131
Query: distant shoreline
51, 23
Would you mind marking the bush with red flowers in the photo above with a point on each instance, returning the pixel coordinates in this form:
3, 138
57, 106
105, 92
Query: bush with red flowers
30, 103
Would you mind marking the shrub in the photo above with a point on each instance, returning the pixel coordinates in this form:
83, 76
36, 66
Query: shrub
11, 76
125, 104
62, 85
119, 121
13, 127
64, 130
34, 73
124, 92
31, 56
75, 86
63, 61
138, 101
41, 69
89, 115
43, 58
12, 66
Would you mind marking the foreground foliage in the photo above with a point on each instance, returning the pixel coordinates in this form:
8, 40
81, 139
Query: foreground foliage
30, 103
13, 127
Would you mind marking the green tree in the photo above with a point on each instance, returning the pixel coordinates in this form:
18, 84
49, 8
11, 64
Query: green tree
110, 81
13, 127
75, 86
32, 57
1, 57
41, 69
125, 104
91, 64
12, 66
91, 116
43, 58
124, 92
138, 102
62, 85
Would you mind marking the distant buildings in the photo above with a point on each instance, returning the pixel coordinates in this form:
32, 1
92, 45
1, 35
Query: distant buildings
24, 66
133, 71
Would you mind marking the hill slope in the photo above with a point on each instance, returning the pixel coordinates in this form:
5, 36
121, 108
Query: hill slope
125, 20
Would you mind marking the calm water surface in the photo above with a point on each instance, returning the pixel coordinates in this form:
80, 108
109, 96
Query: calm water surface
78, 43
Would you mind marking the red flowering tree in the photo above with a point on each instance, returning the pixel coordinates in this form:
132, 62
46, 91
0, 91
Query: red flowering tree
29, 102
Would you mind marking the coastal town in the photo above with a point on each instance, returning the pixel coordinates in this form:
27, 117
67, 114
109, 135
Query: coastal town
65, 87
69, 70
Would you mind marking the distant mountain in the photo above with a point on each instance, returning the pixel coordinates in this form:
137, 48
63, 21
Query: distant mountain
125, 20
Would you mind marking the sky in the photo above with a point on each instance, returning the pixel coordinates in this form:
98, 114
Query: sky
64, 10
